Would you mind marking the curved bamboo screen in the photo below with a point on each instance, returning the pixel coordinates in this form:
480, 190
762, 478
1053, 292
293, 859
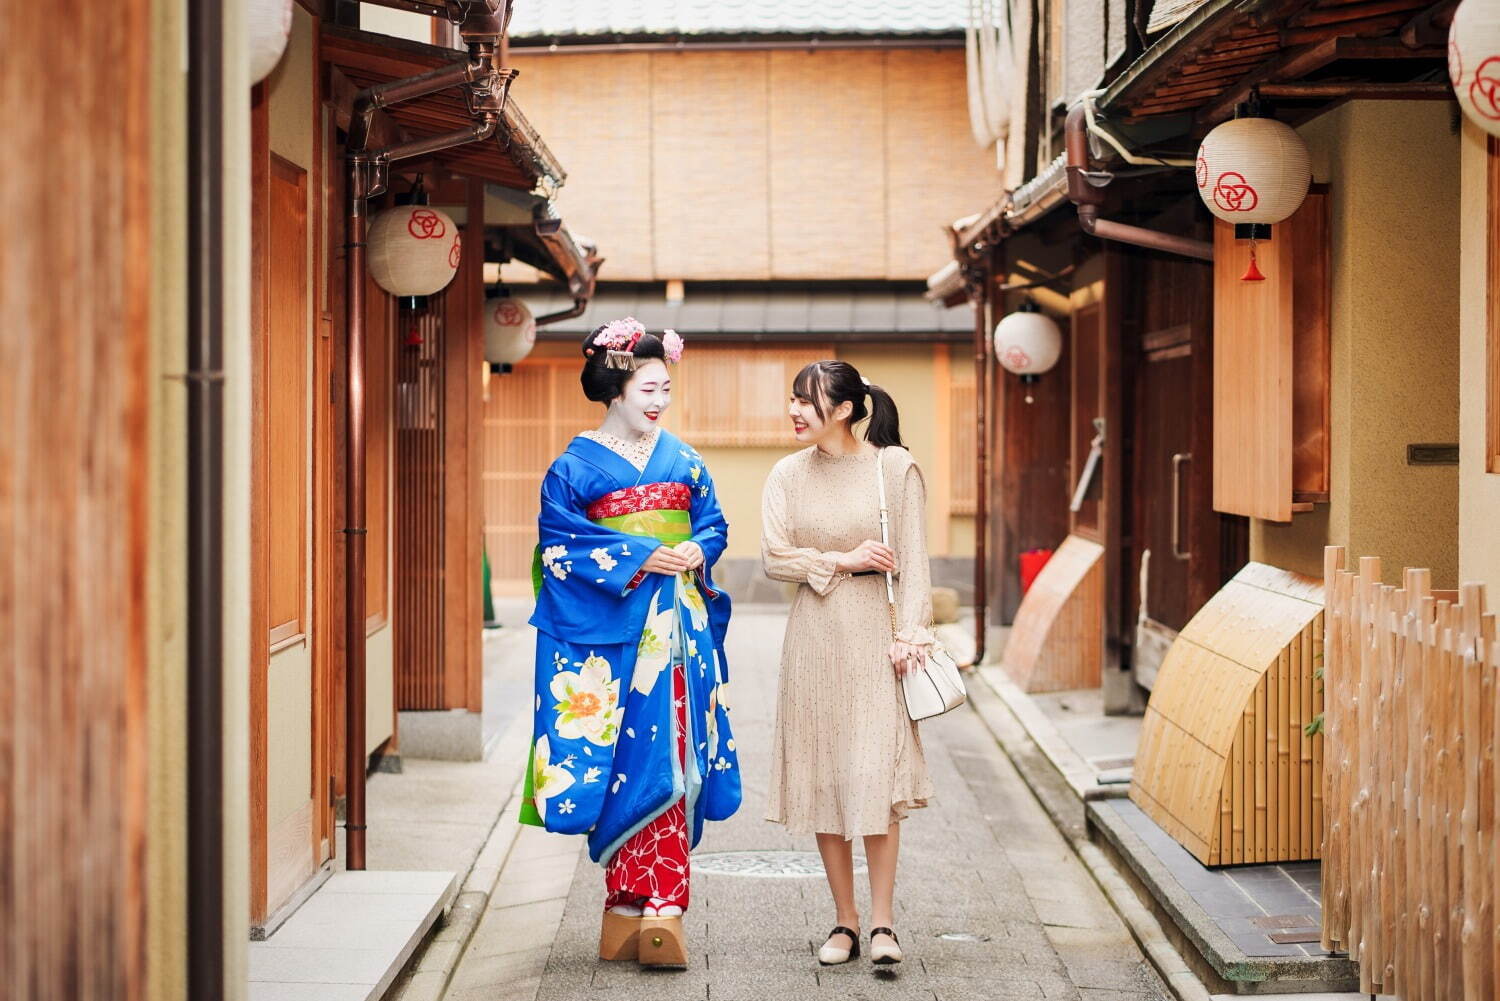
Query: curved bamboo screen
1409, 875
1057, 641
1224, 764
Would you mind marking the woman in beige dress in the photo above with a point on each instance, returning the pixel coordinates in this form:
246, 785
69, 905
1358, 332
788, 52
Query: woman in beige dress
846, 759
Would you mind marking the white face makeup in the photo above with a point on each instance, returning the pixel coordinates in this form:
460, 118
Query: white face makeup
647, 396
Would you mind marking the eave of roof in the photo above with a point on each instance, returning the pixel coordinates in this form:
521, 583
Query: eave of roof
516, 157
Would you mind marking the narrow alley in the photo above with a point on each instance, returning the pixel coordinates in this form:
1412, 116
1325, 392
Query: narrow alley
992, 903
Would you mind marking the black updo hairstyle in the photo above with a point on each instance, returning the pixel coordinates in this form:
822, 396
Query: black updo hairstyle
603, 384
829, 383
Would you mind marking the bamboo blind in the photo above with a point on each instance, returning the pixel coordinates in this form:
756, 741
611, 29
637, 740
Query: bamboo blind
736, 395
1057, 641
1224, 764
1409, 874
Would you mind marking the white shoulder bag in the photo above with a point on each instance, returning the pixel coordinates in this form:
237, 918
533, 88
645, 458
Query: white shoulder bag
936, 687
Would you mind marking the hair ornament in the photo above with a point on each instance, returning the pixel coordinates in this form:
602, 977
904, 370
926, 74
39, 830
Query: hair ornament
619, 338
865, 381
671, 343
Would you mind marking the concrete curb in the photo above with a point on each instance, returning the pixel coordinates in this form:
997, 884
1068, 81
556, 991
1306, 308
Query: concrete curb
432, 966
1064, 804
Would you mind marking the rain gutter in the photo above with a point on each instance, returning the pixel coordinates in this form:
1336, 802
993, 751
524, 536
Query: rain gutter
205, 502
767, 45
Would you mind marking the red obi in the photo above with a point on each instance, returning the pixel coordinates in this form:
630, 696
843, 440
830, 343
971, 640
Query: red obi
650, 497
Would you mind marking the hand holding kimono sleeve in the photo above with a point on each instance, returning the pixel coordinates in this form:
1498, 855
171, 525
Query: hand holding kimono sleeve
783, 560
710, 530
574, 549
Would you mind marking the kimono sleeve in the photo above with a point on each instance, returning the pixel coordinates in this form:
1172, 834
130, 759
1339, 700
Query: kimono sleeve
710, 530
575, 550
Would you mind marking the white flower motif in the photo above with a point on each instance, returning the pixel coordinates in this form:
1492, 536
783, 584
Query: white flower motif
559, 662
570, 761
566, 806
703, 490
547, 780
695, 472
588, 702
591, 775
654, 651
619, 781
687, 593
606, 562
552, 559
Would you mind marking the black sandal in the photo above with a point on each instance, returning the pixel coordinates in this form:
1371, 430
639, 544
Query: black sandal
884, 956
853, 952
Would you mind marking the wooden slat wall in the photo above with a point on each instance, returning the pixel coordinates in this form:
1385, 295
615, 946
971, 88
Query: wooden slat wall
708, 161
530, 416
419, 529
963, 496
1409, 868
737, 394
1223, 764
1057, 641
75, 225
834, 164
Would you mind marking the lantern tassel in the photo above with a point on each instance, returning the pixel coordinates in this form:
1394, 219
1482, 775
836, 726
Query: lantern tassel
1252, 273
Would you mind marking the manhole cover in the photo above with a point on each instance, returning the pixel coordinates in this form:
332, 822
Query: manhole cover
784, 865
962, 936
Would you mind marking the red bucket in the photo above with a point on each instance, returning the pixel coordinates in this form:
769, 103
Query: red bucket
1032, 562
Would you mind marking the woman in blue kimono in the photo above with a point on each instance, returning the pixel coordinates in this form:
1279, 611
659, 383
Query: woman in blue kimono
632, 745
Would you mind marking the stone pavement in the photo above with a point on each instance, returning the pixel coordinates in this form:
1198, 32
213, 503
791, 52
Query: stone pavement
983, 865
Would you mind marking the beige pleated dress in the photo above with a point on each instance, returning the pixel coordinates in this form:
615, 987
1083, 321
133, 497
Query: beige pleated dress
846, 759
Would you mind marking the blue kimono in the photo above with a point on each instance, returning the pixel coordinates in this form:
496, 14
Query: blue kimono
603, 757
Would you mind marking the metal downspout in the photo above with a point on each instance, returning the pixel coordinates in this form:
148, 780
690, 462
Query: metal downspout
980, 282
577, 309
205, 502
1089, 196
367, 178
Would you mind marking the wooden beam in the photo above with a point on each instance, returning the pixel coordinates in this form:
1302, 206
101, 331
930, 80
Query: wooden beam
1413, 91
341, 90
1355, 12
1369, 27
1306, 59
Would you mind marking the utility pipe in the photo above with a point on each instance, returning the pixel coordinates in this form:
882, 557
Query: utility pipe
205, 502
488, 87
980, 294
1084, 192
579, 305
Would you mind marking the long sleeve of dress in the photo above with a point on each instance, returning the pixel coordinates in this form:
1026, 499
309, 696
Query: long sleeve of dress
781, 558
914, 582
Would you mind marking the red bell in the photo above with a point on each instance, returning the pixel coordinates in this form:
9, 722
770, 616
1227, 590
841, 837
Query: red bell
1252, 273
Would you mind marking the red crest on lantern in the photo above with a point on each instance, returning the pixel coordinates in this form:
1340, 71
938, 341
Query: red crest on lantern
426, 224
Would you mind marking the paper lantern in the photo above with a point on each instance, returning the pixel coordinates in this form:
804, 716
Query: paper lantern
509, 330
269, 24
1253, 171
1028, 343
1474, 62
413, 250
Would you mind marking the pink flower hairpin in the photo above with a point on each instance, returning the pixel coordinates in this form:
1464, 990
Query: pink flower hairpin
672, 344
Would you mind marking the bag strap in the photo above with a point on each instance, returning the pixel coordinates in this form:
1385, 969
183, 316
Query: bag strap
885, 536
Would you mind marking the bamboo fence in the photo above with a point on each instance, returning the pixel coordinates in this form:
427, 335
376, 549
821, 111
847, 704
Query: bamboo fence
1409, 876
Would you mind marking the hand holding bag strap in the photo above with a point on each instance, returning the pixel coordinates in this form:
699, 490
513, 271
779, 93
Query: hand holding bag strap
937, 687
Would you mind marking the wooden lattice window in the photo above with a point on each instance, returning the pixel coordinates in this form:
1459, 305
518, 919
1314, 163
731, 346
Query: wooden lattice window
736, 394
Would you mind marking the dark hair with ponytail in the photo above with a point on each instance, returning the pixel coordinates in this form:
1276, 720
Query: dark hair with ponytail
603, 384
829, 383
